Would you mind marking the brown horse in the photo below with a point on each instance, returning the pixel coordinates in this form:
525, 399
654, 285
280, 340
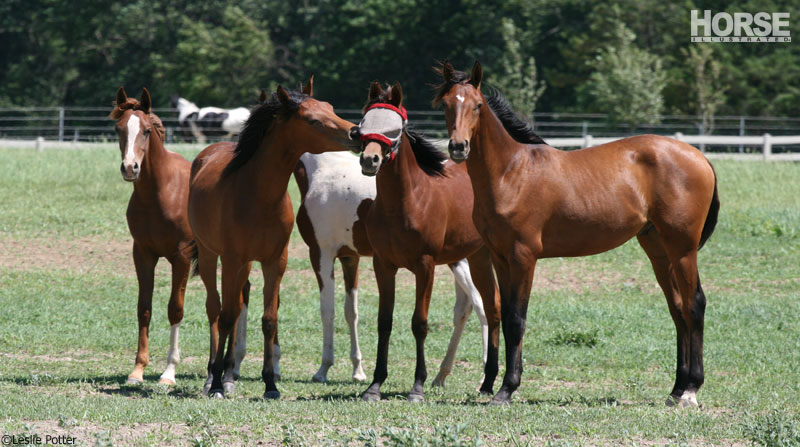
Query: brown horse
240, 210
157, 218
533, 201
421, 218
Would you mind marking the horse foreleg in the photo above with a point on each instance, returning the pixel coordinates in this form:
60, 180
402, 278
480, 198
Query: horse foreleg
419, 324
273, 273
693, 308
385, 276
145, 264
480, 267
350, 273
514, 295
180, 275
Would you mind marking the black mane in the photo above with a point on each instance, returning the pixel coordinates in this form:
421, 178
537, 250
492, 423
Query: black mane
429, 158
261, 119
520, 129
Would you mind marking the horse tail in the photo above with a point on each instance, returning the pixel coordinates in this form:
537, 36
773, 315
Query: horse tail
194, 256
713, 213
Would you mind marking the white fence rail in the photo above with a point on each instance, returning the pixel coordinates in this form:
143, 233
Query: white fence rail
764, 142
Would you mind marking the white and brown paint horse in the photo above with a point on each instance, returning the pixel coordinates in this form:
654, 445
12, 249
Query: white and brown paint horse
336, 199
201, 123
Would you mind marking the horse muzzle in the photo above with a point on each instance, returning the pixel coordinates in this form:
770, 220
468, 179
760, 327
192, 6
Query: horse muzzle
370, 164
130, 173
458, 151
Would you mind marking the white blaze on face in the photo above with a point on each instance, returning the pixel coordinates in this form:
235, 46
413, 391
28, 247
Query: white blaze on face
133, 132
460, 98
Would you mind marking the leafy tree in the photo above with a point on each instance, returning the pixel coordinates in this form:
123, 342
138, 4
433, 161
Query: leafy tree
709, 93
628, 82
518, 78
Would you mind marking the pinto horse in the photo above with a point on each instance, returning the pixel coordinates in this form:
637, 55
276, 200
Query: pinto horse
421, 218
533, 201
158, 221
200, 123
239, 210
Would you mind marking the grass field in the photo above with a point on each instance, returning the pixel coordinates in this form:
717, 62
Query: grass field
599, 349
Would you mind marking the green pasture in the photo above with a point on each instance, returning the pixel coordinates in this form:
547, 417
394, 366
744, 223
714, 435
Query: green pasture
599, 353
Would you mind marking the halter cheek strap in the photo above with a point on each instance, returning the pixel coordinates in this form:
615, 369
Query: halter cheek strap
385, 124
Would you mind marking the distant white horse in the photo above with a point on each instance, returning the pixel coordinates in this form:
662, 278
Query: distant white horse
336, 197
207, 121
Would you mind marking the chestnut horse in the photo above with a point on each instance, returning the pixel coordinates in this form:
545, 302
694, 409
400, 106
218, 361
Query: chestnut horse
240, 210
421, 218
158, 221
533, 201
156, 218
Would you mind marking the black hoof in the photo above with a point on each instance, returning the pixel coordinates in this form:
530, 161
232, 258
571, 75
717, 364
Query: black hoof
272, 395
416, 397
486, 391
229, 387
371, 397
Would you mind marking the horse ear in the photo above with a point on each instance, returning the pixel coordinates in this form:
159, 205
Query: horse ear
375, 90
396, 95
476, 76
283, 96
447, 71
262, 98
145, 101
309, 88
121, 96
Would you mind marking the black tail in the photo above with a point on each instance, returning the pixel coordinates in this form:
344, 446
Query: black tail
713, 212
194, 255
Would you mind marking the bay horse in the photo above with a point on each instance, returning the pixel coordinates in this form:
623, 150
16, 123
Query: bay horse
421, 218
240, 210
336, 198
533, 201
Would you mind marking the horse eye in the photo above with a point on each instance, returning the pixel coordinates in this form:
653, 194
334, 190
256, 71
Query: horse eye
147, 130
478, 106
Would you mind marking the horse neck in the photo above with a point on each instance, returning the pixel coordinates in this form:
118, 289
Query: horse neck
272, 166
491, 151
155, 170
399, 181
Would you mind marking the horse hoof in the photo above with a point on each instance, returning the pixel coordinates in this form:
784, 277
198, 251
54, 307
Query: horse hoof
165, 381
371, 397
359, 376
438, 381
272, 395
276, 377
134, 381
416, 397
236, 376
486, 392
216, 394
318, 378
229, 387
672, 401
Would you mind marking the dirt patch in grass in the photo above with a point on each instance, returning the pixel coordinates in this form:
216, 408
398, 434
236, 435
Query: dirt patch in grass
80, 255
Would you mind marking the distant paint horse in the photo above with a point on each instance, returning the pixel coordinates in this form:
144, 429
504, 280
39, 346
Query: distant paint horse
336, 200
208, 121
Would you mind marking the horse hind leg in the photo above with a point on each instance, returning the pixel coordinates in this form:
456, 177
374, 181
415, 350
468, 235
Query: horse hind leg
207, 265
667, 279
461, 311
181, 266
350, 274
324, 272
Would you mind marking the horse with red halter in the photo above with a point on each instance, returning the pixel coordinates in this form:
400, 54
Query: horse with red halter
533, 201
239, 210
421, 218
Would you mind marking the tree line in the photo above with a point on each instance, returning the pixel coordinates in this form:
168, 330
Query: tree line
632, 59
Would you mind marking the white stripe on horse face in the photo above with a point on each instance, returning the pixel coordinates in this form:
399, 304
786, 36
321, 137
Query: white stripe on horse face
460, 98
133, 132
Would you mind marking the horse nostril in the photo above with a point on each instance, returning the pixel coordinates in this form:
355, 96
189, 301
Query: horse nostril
135, 166
451, 146
122, 167
376, 159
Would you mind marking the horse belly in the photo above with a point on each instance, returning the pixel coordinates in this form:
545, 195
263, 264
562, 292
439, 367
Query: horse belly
568, 238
